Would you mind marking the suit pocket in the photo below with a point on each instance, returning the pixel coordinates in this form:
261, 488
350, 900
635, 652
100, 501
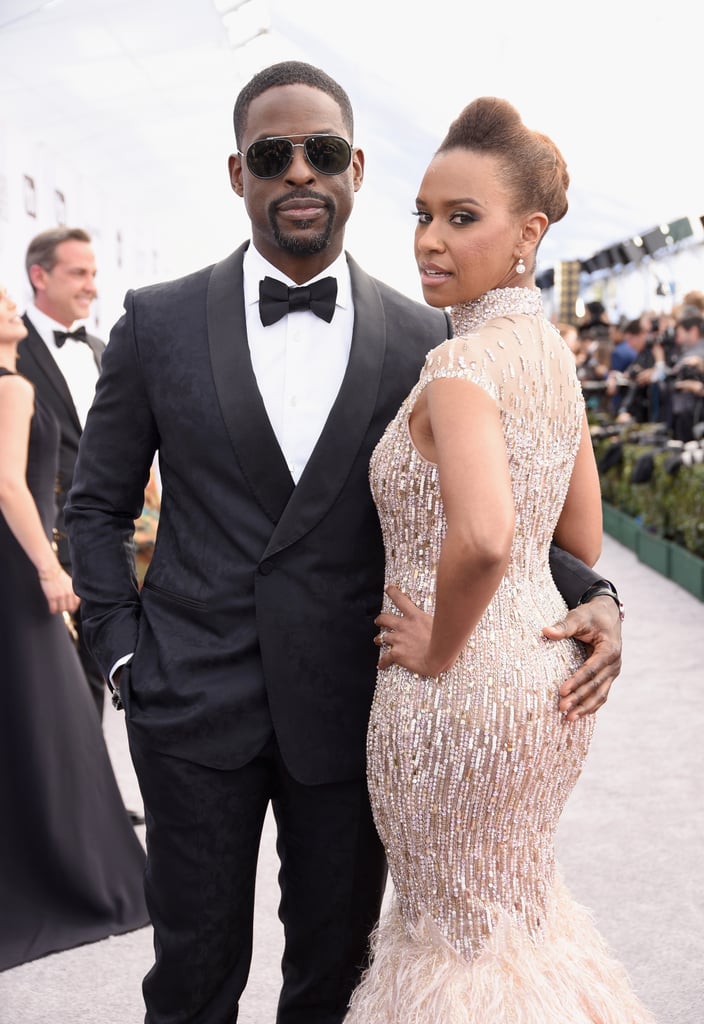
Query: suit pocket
180, 599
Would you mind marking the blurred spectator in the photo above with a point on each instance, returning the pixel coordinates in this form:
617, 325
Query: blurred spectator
592, 361
616, 331
627, 351
687, 377
62, 360
693, 299
655, 368
71, 866
623, 356
642, 401
595, 322
595, 357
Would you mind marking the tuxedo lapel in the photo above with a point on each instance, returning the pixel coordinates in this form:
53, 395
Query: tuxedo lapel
97, 347
32, 350
348, 422
253, 440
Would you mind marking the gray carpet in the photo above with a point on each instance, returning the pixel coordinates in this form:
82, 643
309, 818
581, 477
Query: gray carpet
630, 842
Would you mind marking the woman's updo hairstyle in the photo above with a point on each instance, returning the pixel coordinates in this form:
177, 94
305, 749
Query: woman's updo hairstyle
533, 168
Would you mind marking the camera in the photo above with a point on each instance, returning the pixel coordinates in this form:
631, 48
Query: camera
690, 371
634, 369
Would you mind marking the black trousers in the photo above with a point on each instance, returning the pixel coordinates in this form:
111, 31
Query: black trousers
203, 833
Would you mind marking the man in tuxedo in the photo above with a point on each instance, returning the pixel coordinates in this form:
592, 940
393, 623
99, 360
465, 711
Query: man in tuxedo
246, 665
63, 362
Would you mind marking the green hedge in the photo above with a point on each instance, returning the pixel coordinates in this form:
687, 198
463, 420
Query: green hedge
669, 504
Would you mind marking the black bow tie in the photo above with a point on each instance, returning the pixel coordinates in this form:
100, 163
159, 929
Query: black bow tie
80, 334
276, 299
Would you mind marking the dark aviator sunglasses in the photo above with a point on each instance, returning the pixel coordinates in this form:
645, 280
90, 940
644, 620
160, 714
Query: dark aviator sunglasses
328, 154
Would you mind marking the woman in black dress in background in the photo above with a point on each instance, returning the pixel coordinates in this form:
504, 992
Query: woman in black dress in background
71, 865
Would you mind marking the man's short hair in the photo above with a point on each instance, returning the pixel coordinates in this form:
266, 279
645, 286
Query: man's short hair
42, 249
289, 72
634, 327
690, 320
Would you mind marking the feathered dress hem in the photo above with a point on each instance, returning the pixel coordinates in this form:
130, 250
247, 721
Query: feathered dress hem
566, 975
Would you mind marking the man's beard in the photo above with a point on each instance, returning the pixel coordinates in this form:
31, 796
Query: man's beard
309, 245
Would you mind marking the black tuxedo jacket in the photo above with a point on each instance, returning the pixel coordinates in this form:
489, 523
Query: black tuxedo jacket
35, 362
257, 610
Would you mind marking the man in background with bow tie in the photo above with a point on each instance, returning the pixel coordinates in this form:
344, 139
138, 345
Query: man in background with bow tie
246, 665
63, 362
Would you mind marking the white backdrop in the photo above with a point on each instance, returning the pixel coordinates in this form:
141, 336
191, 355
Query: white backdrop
124, 106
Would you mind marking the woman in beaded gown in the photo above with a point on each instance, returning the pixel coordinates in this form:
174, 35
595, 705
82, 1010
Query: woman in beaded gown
471, 753
71, 866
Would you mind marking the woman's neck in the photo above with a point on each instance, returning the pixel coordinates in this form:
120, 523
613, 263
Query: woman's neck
8, 357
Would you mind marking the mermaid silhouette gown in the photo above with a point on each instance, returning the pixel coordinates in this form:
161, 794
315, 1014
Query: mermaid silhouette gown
468, 773
71, 866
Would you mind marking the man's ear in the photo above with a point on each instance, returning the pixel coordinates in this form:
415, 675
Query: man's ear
37, 276
358, 168
234, 166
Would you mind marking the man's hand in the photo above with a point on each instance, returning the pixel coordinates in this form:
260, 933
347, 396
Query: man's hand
598, 625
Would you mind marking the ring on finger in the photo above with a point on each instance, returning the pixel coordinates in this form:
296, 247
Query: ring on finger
382, 637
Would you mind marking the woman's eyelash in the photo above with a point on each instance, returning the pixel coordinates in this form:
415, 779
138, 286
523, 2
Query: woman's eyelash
461, 216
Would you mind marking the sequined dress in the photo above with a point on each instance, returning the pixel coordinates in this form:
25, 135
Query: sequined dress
468, 774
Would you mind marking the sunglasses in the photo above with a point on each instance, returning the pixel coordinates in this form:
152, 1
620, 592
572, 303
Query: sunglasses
328, 154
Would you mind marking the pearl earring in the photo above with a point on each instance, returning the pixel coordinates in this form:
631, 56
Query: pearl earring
520, 266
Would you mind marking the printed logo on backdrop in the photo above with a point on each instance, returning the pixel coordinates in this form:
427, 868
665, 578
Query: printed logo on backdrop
30, 196
60, 207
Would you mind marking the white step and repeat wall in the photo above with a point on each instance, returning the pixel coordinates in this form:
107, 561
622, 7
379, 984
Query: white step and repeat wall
40, 189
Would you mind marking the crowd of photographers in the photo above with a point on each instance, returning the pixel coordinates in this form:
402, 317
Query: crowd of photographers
646, 370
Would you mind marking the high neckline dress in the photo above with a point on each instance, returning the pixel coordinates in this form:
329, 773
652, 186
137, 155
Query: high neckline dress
468, 773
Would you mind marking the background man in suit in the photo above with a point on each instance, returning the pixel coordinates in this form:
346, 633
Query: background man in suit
63, 362
246, 665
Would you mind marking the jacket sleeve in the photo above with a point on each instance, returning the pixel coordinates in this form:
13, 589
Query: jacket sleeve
112, 469
571, 576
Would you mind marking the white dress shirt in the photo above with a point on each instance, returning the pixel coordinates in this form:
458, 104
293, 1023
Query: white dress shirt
299, 361
75, 359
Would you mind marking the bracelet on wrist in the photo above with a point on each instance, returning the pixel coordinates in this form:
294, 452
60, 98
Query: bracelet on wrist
603, 589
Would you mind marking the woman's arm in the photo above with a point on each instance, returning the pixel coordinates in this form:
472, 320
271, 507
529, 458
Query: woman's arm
16, 502
579, 528
422, 642
457, 426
